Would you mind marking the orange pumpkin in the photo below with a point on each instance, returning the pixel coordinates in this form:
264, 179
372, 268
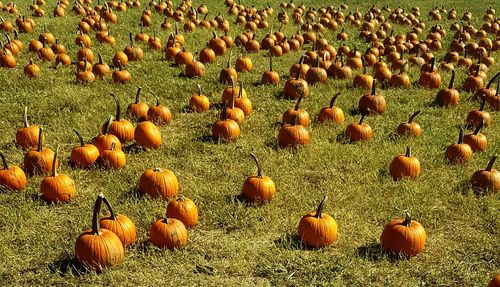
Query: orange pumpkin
403, 236
12, 176
147, 135
158, 183
331, 113
410, 128
84, 155
318, 229
168, 233
57, 187
404, 166
183, 209
28, 135
119, 224
459, 152
258, 188
39, 161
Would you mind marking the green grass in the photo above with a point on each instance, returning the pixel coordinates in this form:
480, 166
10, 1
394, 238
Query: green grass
234, 243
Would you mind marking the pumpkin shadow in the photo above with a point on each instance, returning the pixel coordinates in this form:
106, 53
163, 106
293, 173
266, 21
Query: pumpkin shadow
374, 252
432, 104
464, 188
290, 241
272, 143
341, 138
393, 136
133, 193
353, 111
134, 149
67, 264
206, 138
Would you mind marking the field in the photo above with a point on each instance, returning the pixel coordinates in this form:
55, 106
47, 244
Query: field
236, 243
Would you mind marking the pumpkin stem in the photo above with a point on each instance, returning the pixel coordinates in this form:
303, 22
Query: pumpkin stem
491, 162
137, 95
118, 108
320, 207
232, 86
374, 83
80, 138
54, 162
364, 65
4, 162
156, 98
240, 91
450, 85
199, 89
295, 120
100, 58
481, 108
334, 98
229, 60
413, 116
271, 62
259, 167
95, 215
108, 205
461, 136
407, 221
40, 141
131, 39
108, 125
363, 115
431, 69
113, 146
298, 102
301, 61
408, 151
492, 80
479, 127
25, 117
223, 114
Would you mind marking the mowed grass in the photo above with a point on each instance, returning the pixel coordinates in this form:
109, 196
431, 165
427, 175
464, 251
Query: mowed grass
236, 243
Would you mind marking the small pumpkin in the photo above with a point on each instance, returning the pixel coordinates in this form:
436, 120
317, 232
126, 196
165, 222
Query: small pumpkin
270, 77
168, 233
372, 103
359, 131
133, 53
430, 79
121, 76
225, 129
113, 157
258, 188
318, 229
159, 114
300, 115
28, 135
476, 140
138, 110
84, 155
448, 97
101, 69
158, 183
57, 187
477, 117
195, 69
316, 74
32, 70
403, 236
39, 161
228, 72
331, 113
486, 180
474, 81
119, 224
147, 135
183, 209
459, 152
11, 176
295, 87
293, 135
98, 248
120, 127
105, 139
404, 166
199, 102
410, 128
363, 80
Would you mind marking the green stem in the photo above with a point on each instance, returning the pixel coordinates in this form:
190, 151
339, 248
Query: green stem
491, 163
271, 62
108, 125
80, 138
363, 115
259, 168
320, 207
334, 98
4, 162
412, 117
492, 80
156, 98
131, 39
108, 205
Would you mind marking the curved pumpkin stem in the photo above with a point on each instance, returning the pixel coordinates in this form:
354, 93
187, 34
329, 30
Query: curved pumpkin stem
479, 127
301, 61
363, 115
108, 125
118, 108
25, 117
450, 85
491, 163
223, 114
108, 205
431, 69
80, 138
229, 59
4, 162
374, 83
492, 80
233, 86
298, 102
461, 136
131, 39
138, 94
100, 58
413, 116
199, 89
407, 221
40, 140
54, 162
483, 102
156, 98
259, 167
320, 207
334, 98
113, 146
408, 151
240, 92
95, 215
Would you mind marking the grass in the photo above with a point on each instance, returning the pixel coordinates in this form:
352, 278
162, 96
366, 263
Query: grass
236, 243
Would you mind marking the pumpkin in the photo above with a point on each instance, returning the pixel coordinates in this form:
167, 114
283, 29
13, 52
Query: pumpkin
430, 79
98, 248
199, 102
448, 97
331, 113
363, 80
293, 135
158, 183
28, 135
459, 152
133, 53
474, 81
489, 92
372, 103
147, 135
195, 69
113, 157
121, 76
476, 140
486, 180
295, 87
270, 77
243, 64
138, 110
258, 188
301, 115
358, 131
183, 57
478, 116
101, 69
121, 128
410, 128
11, 176
39, 161
207, 55
401, 80
234, 113
32, 70
227, 73
242, 101
299, 68
316, 74
403, 236
105, 139
84, 74
168, 233
159, 114
404, 166
57, 187
217, 45
183, 209
84, 155
120, 59
318, 229
225, 129
119, 224
495, 281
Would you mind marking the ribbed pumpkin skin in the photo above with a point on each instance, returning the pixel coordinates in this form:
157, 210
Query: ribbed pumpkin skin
147, 135
486, 181
159, 183
357, 132
227, 130
28, 137
457, 153
398, 238
334, 115
104, 142
122, 129
122, 226
59, 188
256, 189
13, 178
113, 158
38, 163
183, 209
168, 233
84, 156
99, 251
317, 232
402, 166
290, 136
477, 142
409, 129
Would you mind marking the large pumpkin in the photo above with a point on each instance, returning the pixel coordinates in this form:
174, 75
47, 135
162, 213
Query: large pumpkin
486, 180
403, 236
184, 209
158, 182
404, 166
317, 229
258, 188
